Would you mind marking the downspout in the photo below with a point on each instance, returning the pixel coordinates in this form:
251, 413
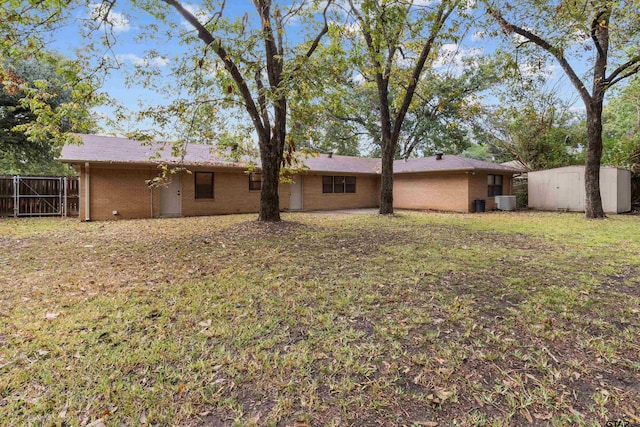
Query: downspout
151, 193
87, 199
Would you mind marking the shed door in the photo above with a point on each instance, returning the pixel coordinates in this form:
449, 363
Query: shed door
171, 198
295, 201
569, 191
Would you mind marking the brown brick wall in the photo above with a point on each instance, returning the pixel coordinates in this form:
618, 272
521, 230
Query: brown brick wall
447, 192
478, 189
118, 189
366, 195
231, 195
123, 189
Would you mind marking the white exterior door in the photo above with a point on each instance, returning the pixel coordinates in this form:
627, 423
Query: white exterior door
171, 198
295, 201
569, 191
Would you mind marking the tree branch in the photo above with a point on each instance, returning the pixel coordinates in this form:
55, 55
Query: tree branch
274, 60
232, 68
627, 69
510, 28
262, 100
323, 31
594, 26
443, 14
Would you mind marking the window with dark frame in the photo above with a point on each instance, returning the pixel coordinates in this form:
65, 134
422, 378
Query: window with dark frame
327, 184
349, 184
494, 183
255, 181
338, 184
204, 185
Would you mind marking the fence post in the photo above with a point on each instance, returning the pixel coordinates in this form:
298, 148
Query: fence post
16, 199
64, 205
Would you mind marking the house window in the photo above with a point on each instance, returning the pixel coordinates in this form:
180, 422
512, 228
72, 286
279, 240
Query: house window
204, 185
338, 184
494, 185
255, 181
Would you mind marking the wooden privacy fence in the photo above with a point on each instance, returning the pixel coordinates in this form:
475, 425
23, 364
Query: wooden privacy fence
39, 196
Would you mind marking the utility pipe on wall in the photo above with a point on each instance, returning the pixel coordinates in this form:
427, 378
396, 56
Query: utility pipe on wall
87, 199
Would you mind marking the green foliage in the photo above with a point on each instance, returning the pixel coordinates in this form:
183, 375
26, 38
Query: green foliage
569, 29
379, 47
621, 128
487, 152
42, 100
536, 128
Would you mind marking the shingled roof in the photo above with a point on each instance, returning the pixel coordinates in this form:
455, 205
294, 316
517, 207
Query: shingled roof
446, 163
105, 149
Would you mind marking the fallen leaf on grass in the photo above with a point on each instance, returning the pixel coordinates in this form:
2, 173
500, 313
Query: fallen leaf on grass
479, 401
51, 316
542, 417
63, 414
525, 413
576, 413
442, 393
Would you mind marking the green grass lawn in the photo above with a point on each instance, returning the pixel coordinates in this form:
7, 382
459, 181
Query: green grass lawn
325, 320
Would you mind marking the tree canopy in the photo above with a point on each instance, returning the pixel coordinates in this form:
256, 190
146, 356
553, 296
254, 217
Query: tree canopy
601, 34
42, 100
392, 43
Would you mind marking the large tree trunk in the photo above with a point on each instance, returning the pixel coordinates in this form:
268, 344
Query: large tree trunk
593, 202
269, 197
386, 181
388, 146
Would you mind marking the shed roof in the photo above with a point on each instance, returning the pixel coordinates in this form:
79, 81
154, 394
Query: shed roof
106, 149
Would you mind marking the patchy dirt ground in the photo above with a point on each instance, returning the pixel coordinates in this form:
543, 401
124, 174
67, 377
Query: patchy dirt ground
420, 319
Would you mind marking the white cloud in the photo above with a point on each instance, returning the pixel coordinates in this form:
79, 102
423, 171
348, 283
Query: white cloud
100, 12
351, 28
478, 35
197, 11
455, 56
544, 70
358, 79
155, 61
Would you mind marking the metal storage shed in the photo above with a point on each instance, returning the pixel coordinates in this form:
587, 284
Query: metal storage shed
563, 189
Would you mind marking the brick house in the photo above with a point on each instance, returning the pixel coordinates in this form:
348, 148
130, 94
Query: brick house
114, 174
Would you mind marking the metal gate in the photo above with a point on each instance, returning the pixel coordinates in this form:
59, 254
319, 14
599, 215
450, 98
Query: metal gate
39, 196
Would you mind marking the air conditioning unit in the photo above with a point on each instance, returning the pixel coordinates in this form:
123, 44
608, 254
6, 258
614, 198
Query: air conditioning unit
506, 203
